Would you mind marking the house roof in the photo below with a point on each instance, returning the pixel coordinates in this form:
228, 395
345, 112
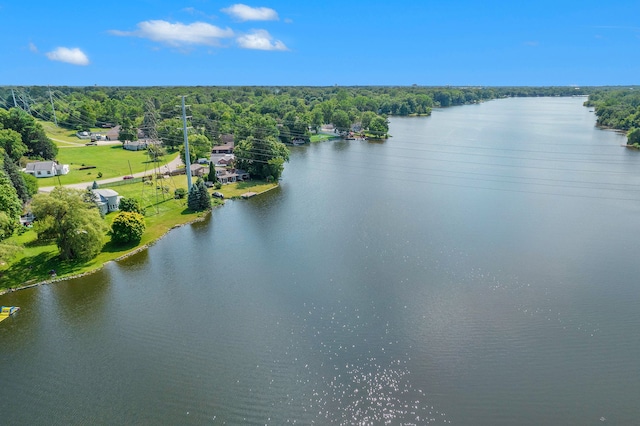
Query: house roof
40, 165
105, 192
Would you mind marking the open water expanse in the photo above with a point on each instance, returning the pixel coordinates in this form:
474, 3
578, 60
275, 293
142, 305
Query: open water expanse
480, 267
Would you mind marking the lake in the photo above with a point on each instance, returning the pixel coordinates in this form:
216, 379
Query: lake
477, 268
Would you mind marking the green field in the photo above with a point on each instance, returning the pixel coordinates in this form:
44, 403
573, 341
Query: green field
323, 137
65, 137
110, 160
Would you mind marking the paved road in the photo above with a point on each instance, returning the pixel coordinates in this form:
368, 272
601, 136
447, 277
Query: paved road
170, 166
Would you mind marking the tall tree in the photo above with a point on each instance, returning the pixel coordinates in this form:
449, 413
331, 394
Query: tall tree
198, 198
16, 177
341, 121
127, 131
263, 158
11, 142
32, 133
75, 223
10, 207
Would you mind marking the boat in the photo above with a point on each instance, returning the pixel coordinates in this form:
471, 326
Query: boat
7, 311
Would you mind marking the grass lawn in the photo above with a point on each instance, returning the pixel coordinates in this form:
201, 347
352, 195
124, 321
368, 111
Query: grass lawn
33, 264
110, 160
322, 137
65, 137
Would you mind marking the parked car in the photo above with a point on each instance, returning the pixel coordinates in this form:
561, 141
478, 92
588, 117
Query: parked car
127, 177
217, 195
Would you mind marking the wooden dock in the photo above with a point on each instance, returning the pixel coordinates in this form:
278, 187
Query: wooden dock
248, 195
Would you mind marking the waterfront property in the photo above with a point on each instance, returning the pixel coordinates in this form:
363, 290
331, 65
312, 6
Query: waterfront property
226, 176
107, 200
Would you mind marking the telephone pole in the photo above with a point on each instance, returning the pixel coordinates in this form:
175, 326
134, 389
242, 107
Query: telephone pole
186, 144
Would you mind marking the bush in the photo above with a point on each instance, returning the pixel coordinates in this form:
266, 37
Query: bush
127, 227
180, 193
217, 185
131, 205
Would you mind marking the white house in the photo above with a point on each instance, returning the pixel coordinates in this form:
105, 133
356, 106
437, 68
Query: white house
107, 200
41, 169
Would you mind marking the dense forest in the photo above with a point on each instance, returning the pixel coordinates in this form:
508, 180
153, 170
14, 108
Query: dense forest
618, 109
219, 110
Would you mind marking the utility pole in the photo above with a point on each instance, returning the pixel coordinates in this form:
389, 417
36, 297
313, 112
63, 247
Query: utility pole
55, 120
186, 144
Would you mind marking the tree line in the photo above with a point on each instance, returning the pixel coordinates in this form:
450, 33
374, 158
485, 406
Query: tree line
619, 109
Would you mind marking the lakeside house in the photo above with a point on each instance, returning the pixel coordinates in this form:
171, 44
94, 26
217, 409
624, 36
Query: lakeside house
222, 159
226, 176
107, 200
197, 170
41, 169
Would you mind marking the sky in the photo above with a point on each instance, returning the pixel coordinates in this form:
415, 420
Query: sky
319, 43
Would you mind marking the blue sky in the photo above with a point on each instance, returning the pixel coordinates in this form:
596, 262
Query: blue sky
319, 43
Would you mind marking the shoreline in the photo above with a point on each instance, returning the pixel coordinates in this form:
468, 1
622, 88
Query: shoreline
93, 271
122, 257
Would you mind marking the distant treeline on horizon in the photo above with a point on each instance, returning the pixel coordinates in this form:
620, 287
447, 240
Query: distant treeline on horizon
293, 111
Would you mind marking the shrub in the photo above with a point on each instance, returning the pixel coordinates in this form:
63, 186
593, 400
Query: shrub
131, 205
180, 193
127, 227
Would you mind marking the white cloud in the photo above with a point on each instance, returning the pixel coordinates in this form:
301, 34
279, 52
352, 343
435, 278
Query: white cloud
33, 48
242, 12
73, 56
260, 40
178, 34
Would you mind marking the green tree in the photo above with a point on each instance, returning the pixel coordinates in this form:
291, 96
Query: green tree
198, 198
199, 147
127, 131
75, 224
31, 182
16, 178
127, 227
128, 204
10, 207
341, 121
262, 158
11, 141
170, 132
633, 136
155, 151
366, 119
379, 126
212, 177
31, 132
